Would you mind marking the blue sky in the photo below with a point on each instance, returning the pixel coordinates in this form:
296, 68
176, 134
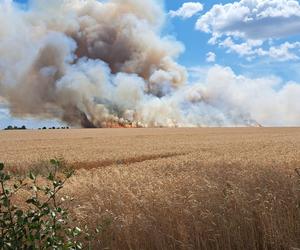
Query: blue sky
253, 38
196, 43
197, 46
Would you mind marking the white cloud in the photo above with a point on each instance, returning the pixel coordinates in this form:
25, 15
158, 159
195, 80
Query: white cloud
243, 49
283, 52
187, 10
253, 23
253, 19
211, 57
251, 49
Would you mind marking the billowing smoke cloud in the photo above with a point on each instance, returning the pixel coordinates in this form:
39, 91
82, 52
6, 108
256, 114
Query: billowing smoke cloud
85, 62
267, 100
100, 64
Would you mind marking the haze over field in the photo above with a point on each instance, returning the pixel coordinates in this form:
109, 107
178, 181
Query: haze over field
113, 63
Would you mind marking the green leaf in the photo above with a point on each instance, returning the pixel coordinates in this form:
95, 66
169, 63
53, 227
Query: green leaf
1, 166
30, 201
69, 173
32, 176
51, 177
5, 202
6, 177
54, 162
19, 213
76, 231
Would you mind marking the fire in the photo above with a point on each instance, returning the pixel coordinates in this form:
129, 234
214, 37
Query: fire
122, 124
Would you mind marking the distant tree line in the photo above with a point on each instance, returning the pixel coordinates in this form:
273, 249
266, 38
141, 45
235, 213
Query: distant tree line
10, 127
44, 128
15, 127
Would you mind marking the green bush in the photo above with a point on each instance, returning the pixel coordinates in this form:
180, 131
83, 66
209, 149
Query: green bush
44, 223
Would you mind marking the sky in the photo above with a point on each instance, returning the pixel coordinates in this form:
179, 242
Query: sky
239, 51
253, 38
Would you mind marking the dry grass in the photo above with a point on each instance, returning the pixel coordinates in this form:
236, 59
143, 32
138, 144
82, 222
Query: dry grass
176, 188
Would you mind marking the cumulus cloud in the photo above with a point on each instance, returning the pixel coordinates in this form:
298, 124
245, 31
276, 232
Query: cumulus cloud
251, 49
187, 10
254, 22
244, 49
284, 52
211, 57
253, 19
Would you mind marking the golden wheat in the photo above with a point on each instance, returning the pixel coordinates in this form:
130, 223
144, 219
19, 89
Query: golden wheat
176, 188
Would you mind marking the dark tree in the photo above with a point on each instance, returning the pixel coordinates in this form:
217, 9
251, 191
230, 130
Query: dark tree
9, 127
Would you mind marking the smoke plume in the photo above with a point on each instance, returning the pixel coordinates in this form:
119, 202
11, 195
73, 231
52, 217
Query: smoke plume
102, 64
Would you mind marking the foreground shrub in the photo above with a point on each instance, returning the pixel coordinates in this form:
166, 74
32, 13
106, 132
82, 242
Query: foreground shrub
43, 223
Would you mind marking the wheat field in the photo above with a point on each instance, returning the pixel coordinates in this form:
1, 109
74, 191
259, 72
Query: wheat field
207, 188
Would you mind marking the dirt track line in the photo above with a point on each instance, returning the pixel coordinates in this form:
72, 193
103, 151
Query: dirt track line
126, 161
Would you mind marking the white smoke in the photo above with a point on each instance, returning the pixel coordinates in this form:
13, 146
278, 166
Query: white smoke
268, 100
98, 64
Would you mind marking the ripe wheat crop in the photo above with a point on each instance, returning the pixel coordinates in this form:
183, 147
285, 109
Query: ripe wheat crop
175, 188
